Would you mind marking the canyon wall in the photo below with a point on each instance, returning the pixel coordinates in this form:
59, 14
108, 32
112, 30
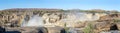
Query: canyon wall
72, 21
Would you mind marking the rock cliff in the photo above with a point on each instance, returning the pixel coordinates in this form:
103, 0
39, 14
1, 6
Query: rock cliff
57, 20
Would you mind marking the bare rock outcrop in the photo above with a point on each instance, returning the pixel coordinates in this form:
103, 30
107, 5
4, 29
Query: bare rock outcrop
56, 30
110, 17
107, 23
55, 21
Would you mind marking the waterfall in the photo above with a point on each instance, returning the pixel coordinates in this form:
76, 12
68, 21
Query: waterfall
36, 21
77, 16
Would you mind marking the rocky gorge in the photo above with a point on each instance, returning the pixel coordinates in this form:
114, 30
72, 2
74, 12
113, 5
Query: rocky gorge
57, 21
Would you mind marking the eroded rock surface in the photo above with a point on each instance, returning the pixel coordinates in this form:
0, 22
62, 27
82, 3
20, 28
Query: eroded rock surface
55, 21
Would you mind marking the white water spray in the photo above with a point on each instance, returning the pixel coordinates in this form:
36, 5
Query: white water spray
36, 21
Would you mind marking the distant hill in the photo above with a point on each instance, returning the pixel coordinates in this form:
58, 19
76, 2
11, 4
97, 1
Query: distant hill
31, 9
61, 10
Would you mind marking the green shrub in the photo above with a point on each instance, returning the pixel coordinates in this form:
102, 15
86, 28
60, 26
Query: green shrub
116, 20
88, 29
66, 30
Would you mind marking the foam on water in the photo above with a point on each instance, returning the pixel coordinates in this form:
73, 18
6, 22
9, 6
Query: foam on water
36, 20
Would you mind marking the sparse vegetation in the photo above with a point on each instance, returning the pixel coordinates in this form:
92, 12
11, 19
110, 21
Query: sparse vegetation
116, 20
66, 29
89, 28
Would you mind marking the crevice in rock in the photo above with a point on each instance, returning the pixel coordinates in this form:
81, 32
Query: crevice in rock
62, 31
114, 27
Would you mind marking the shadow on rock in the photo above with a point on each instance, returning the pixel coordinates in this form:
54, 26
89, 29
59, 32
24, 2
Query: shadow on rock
2, 30
12, 32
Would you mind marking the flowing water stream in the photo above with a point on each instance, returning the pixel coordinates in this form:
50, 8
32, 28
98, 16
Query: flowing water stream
36, 20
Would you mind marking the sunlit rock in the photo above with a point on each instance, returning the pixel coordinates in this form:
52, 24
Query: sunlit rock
55, 30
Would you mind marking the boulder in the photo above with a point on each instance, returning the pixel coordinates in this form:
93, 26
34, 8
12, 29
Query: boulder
118, 25
76, 24
55, 30
26, 30
110, 17
101, 26
51, 18
34, 30
75, 30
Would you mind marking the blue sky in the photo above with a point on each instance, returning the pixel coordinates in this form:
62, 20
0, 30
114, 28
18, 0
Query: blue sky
62, 4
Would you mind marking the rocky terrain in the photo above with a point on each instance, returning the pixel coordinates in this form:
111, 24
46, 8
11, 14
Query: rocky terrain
35, 20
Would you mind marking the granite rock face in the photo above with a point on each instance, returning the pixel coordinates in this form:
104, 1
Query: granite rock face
57, 21
55, 30
27, 30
